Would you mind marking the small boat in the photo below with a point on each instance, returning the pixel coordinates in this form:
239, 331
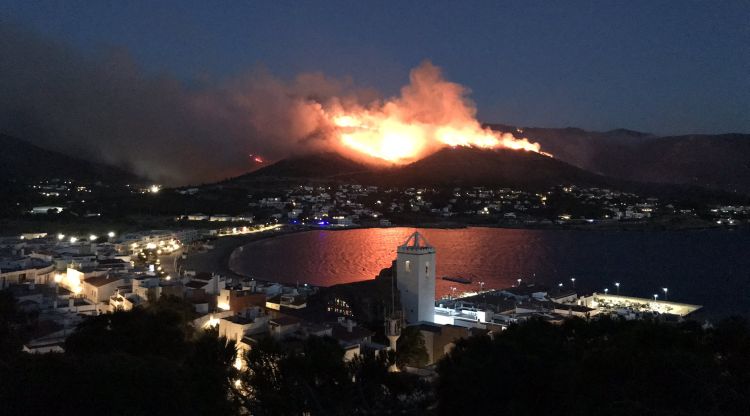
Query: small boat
457, 279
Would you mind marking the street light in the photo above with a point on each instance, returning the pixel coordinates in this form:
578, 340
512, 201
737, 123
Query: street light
519, 282
111, 234
665, 292
617, 285
573, 279
73, 239
656, 296
92, 237
60, 237
559, 285
606, 290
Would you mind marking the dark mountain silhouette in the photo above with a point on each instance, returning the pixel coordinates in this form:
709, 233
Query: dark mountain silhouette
719, 161
460, 166
613, 158
314, 166
466, 166
22, 161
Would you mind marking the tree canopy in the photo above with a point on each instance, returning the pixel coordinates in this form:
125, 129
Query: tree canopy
152, 361
139, 362
410, 348
312, 377
606, 366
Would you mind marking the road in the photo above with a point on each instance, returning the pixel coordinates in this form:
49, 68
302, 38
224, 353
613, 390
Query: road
169, 262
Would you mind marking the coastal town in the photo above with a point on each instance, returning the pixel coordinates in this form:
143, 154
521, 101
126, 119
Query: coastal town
62, 280
441, 208
347, 205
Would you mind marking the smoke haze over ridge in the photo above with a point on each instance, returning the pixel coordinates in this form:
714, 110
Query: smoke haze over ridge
108, 109
165, 129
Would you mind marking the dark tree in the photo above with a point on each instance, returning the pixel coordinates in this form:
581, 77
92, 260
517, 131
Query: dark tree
312, 377
141, 362
604, 367
410, 348
137, 332
10, 339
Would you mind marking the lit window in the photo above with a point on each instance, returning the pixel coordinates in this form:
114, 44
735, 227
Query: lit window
407, 265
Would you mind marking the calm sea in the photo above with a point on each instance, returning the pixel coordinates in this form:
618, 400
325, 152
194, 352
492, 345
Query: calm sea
710, 267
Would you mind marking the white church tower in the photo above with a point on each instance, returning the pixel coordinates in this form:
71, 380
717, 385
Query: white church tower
415, 278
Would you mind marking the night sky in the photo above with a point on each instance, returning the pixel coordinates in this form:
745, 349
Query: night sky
664, 67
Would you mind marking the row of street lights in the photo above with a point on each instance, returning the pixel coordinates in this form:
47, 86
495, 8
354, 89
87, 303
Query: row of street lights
606, 289
92, 237
656, 295
560, 285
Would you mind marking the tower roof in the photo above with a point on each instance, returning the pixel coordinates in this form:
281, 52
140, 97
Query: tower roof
416, 242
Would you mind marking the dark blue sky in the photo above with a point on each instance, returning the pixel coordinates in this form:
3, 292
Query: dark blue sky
665, 67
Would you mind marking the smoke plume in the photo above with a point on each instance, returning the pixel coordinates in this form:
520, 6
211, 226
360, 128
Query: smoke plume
109, 109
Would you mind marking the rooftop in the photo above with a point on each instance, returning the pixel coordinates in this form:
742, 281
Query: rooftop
285, 320
196, 284
240, 319
416, 242
525, 289
341, 333
99, 281
429, 326
106, 262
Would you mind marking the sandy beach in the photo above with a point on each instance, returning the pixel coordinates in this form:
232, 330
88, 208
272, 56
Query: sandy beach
216, 260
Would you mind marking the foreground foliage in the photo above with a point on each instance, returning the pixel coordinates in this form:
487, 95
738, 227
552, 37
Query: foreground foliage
313, 378
136, 363
410, 347
604, 367
152, 361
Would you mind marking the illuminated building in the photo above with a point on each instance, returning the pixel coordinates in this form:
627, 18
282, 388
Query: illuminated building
415, 277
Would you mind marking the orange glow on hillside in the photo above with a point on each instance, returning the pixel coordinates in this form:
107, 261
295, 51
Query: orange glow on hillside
431, 113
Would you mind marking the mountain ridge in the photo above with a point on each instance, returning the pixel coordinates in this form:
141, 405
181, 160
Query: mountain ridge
23, 161
714, 161
717, 162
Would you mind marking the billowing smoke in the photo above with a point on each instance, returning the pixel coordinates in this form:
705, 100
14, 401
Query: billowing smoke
430, 113
109, 109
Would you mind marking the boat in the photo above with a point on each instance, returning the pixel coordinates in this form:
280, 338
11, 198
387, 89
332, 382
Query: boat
457, 279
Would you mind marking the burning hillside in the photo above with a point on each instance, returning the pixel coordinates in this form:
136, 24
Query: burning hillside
174, 133
430, 114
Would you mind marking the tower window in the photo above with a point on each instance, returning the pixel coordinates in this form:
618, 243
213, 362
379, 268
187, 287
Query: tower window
407, 266
427, 268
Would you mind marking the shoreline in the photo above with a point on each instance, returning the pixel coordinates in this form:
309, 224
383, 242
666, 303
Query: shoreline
217, 260
225, 248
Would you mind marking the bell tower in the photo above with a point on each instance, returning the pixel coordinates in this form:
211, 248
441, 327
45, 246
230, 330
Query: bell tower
415, 278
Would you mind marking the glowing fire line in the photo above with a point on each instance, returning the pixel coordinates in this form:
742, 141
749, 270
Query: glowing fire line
430, 113
397, 141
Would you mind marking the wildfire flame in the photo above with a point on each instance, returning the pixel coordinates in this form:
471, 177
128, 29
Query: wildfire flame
430, 113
